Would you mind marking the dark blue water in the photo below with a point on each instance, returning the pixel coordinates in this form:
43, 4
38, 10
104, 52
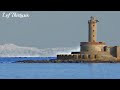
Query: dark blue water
13, 59
9, 70
59, 71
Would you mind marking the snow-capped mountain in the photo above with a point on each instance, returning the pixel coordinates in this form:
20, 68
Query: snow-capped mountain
12, 50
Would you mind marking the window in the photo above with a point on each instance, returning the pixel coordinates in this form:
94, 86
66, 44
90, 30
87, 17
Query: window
88, 56
93, 30
95, 56
93, 25
93, 35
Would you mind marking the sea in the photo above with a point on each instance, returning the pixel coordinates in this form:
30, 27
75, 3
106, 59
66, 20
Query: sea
11, 70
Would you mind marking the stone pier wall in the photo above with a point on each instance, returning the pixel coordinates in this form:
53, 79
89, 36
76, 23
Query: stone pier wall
77, 56
102, 57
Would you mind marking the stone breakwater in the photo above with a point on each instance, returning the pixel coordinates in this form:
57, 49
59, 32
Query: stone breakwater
68, 61
77, 58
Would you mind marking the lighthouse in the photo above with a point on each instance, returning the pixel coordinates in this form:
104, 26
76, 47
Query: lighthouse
92, 32
93, 50
92, 45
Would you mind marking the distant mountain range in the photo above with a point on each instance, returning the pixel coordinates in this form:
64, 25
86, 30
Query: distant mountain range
12, 50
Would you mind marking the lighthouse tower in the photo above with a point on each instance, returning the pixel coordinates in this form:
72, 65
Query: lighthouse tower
92, 25
92, 45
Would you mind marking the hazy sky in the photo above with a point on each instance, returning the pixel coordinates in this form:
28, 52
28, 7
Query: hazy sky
50, 29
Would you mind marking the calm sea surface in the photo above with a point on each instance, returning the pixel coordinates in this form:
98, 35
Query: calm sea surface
59, 71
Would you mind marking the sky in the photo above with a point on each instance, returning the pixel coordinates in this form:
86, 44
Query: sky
51, 29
